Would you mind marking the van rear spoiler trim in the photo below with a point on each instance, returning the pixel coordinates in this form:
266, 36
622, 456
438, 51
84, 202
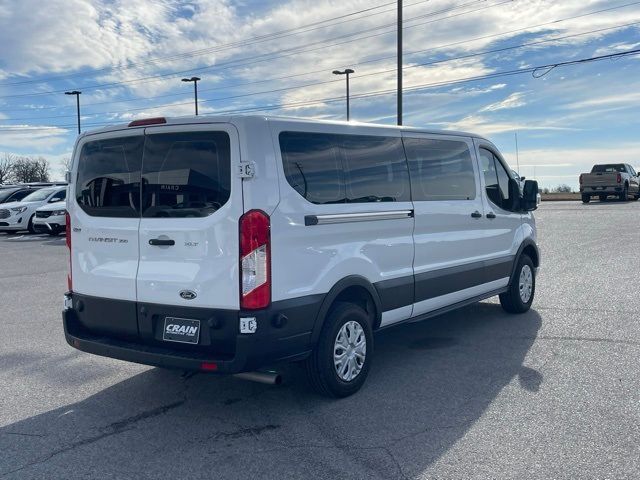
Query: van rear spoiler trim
310, 220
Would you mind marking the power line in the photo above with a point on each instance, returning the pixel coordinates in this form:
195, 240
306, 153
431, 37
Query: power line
435, 62
270, 55
223, 46
381, 58
415, 88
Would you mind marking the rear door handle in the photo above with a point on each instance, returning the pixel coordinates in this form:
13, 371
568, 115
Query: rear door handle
476, 214
491, 215
161, 242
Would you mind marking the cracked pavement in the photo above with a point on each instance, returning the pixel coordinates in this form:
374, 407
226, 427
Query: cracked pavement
476, 393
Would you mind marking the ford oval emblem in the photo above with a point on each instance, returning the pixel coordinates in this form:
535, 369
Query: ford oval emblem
188, 294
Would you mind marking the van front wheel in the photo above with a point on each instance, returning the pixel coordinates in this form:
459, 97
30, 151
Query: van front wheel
341, 359
519, 297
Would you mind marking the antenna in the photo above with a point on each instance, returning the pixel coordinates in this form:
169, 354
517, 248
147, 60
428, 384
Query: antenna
517, 154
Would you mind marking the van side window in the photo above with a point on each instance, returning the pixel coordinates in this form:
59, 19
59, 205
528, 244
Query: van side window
108, 183
312, 166
185, 174
375, 169
496, 179
331, 168
440, 169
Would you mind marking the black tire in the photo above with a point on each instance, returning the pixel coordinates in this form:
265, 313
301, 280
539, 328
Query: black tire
30, 224
624, 196
320, 366
511, 300
585, 198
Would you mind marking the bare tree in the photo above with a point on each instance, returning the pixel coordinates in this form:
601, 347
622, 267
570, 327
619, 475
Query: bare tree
66, 163
563, 189
6, 167
41, 169
26, 169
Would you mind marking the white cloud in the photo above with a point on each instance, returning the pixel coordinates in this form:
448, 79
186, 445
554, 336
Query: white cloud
514, 100
17, 137
485, 126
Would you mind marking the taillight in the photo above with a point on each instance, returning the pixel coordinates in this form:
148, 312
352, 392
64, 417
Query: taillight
255, 261
68, 242
619, 178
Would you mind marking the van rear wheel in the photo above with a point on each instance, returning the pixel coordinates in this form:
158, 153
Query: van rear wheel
340, 361
519, 297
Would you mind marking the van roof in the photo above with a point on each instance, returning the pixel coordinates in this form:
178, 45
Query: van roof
202, 119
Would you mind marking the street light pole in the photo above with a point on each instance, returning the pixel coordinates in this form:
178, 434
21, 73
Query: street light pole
399, 95
195, 81
346, 72
77, 94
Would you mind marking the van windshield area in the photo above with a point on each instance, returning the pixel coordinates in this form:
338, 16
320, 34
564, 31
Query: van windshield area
613, 168
175, 175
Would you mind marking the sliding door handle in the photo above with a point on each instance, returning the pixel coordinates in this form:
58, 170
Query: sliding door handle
476, 214
491, 215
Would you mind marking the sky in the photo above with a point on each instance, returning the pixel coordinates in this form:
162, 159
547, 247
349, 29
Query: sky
483, 66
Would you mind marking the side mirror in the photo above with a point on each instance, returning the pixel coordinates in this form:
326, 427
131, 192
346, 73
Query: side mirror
529, 196
522, 179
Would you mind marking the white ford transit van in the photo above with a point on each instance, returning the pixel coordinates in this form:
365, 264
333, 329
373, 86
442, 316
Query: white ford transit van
226, 245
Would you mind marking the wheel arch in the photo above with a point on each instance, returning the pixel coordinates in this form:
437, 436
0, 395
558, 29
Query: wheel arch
354, 289
527, 247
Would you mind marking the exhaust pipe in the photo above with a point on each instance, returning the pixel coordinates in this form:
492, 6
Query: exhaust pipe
270, 378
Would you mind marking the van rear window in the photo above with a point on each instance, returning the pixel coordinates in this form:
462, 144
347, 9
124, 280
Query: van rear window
182, 175
185, 174
108, 183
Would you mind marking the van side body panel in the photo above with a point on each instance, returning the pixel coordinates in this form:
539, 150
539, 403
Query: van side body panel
310, 258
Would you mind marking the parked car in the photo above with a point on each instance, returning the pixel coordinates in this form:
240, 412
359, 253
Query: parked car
15, 193
240, 242
16, 216
51, 218
619, 179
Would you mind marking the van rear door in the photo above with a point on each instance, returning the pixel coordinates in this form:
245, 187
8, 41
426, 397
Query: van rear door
104, 209
191, 203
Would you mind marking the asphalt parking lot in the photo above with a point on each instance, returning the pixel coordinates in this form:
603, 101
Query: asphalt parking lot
478, 393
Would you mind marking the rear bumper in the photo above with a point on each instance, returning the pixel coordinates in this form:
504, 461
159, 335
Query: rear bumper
222, 349
602, 190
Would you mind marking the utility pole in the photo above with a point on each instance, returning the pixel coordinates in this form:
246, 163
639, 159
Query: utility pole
77, 94
346, 72
195, 81
399, 95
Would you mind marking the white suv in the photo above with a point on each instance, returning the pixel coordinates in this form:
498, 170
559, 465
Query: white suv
16, 216
51, 218
226, 245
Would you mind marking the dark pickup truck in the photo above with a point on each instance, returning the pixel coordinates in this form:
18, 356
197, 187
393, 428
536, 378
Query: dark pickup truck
619, 179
